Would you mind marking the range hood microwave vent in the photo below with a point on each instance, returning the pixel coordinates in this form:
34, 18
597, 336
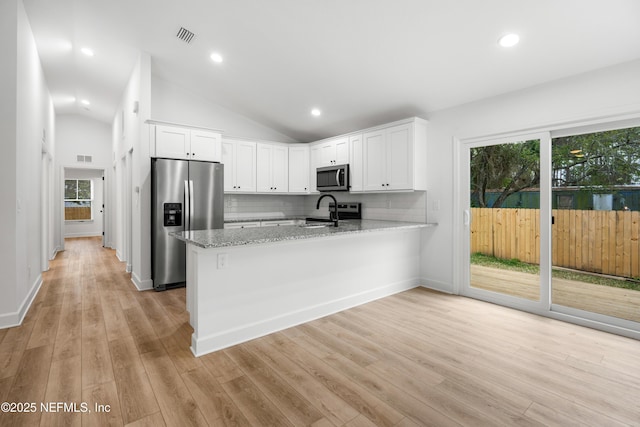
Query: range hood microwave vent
185, 35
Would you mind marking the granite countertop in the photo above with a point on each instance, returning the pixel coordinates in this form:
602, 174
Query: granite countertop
250, 236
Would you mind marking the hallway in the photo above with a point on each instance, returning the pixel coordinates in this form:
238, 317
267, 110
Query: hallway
81, 340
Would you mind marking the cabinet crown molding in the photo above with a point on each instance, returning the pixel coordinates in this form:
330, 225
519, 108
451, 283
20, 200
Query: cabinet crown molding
181, 125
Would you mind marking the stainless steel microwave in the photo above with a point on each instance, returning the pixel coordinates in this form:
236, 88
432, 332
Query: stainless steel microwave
333, 178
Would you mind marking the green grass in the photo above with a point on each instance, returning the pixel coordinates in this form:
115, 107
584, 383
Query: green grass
517, 265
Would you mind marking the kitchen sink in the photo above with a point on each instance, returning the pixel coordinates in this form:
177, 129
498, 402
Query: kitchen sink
316, 225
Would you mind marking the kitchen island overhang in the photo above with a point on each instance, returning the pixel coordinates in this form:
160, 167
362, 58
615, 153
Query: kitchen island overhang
244, 284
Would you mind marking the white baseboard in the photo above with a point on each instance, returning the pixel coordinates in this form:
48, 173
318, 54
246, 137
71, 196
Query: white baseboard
140, 284
437, 285
82, 235
119, 256
55, 252
211, 343
9, 320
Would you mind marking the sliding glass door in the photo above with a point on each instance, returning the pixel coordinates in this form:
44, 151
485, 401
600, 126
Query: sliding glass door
504, 223
552, 226
596, 231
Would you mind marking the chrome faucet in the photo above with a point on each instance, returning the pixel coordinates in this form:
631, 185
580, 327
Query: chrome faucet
335, 204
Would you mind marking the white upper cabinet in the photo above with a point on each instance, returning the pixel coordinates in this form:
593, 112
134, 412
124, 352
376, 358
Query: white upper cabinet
174, 142
299, 175
394, 158
334, 152
206, 146
356, 164
272, 168
239, 159
315, 161
374, 161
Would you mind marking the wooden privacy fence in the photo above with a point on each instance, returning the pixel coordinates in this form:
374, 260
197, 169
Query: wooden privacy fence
606, 242
73, 213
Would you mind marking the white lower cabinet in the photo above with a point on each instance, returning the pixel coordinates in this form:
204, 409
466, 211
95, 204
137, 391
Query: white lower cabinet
277, 223
234, 225
264, 223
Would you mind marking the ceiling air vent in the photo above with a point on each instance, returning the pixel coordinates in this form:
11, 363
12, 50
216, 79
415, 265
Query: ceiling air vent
185, 35
84, 159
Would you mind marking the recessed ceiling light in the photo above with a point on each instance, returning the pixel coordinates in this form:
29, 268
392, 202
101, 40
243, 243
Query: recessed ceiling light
316, 112
86, 51
216, 57
509, 40
85, 103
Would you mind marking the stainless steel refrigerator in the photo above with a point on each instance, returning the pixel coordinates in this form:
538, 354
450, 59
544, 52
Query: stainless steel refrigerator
185, 195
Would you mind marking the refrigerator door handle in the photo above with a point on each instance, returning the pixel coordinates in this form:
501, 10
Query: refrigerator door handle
187, 205
191, 203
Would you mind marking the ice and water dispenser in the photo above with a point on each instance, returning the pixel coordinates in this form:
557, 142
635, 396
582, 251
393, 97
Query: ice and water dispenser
172, 214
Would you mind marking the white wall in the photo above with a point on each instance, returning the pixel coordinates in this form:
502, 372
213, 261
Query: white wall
131, 192
79, 135
76, 134
172, 103
26, 128
600, 94
8, 71
131, 189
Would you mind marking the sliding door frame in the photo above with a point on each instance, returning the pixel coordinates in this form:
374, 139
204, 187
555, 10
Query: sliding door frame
461, 229
544, 302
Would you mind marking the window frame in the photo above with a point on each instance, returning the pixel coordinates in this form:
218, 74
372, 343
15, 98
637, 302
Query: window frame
79, 200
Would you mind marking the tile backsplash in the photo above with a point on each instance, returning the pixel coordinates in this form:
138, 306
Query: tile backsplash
384, 206
409, 207
239, 206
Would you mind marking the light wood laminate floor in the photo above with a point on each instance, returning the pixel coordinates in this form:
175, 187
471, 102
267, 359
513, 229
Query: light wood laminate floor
416, 358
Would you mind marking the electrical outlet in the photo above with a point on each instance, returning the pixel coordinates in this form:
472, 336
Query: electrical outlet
435, 205
223, 260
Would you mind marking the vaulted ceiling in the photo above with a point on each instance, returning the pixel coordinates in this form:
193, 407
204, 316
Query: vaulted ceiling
361, 62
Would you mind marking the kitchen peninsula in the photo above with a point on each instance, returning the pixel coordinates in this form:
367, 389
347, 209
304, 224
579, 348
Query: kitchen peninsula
246, 283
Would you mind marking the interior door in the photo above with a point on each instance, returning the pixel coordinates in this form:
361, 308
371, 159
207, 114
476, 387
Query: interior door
506, 218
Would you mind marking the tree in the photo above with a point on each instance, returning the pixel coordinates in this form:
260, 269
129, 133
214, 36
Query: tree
507, 167
597, 161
